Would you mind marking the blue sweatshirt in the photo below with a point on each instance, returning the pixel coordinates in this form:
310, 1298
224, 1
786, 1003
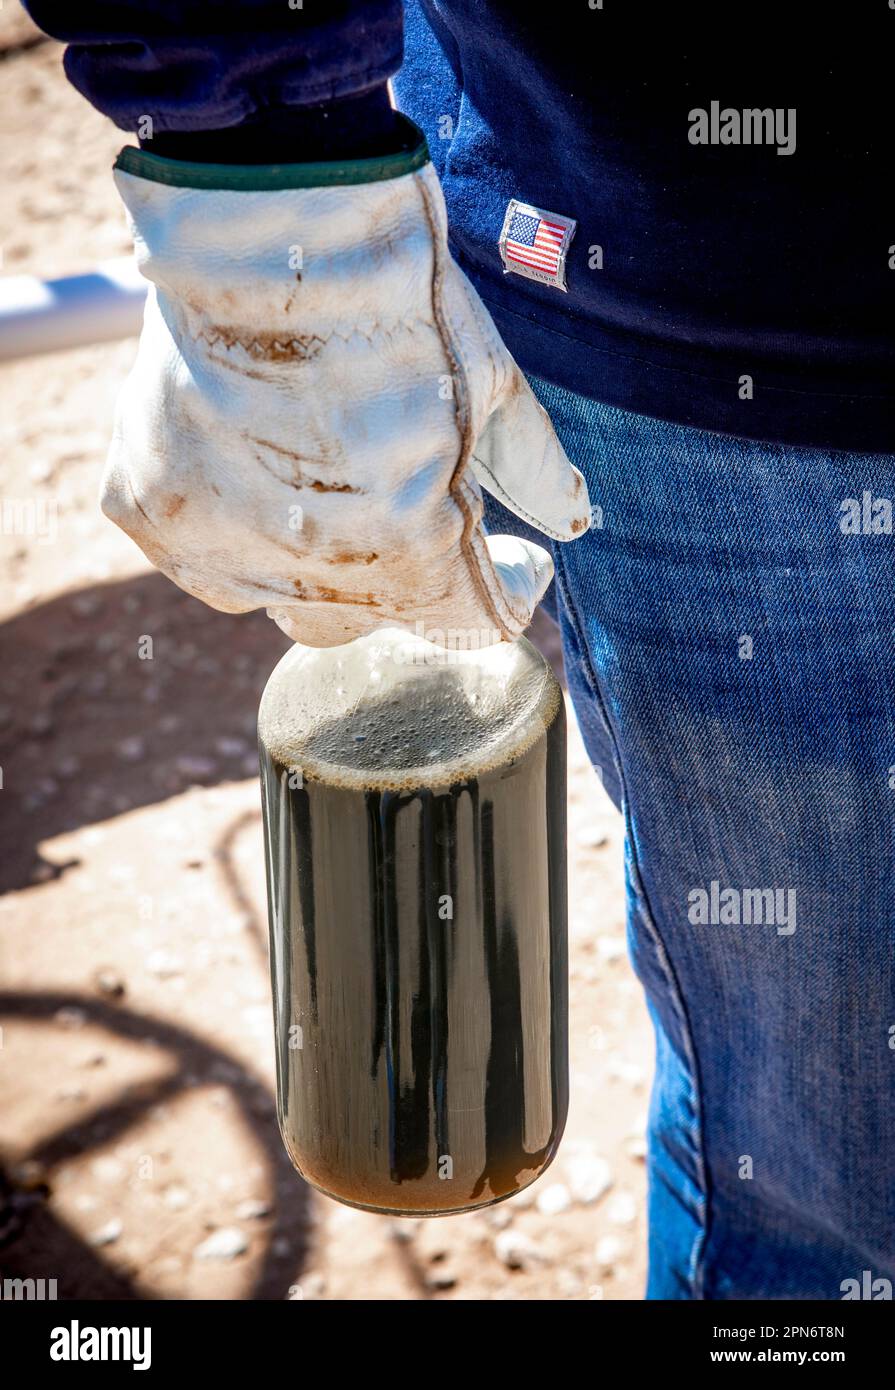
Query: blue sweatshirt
703, 194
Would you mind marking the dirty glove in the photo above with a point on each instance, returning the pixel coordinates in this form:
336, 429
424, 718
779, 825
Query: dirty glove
318, 397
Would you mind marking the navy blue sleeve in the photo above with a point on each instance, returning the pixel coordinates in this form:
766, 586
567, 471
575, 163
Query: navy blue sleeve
314, 75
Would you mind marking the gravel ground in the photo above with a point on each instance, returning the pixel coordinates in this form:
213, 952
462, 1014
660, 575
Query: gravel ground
137, 1124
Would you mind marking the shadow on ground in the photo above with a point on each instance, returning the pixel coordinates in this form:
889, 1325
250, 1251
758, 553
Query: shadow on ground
36, 1245
116, 697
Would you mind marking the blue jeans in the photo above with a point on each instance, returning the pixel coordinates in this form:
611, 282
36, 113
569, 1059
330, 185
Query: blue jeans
729, 636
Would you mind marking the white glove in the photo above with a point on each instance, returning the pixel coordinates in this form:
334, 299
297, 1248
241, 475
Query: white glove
317, 396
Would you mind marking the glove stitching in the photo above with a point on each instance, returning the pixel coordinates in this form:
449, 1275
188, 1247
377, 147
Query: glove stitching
483, 555
515, 506
477, 556
308, 346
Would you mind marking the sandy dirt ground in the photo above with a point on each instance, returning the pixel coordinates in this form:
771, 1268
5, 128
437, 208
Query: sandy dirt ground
138, 1132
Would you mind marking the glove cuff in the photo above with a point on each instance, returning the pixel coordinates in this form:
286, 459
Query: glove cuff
254, 178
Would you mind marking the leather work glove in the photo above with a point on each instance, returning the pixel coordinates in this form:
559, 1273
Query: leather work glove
318, 397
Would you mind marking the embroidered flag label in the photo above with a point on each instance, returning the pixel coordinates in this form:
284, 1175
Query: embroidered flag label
534, 243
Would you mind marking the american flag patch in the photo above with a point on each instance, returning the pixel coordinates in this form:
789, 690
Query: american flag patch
534, 243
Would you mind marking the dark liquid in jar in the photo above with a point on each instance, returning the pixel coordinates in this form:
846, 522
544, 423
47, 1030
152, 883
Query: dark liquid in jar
419, 963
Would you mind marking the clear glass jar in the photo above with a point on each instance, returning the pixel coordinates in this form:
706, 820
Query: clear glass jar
415, 830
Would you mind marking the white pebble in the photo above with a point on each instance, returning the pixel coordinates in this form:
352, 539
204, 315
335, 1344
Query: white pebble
163, 964
590, 1177
553, 1199
224, 1244
622, 1209
108, 1234
591, 837
607, 1253
516, 1251
253, 1209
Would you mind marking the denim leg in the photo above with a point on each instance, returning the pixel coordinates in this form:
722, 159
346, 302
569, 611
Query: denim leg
729, 631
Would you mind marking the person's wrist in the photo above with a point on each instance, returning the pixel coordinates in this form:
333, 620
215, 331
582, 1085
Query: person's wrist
362, 127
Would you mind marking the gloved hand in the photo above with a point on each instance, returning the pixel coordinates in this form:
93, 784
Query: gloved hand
318, 395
